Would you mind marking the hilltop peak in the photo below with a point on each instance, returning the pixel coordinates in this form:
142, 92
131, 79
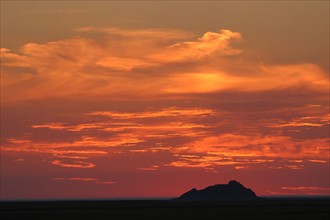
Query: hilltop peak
234, 190
234, 182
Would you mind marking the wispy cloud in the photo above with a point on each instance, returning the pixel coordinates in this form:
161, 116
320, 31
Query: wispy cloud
305, 188
73, 164
150, 63
152, 100
84, 179
87, 179
193, 136
167, 112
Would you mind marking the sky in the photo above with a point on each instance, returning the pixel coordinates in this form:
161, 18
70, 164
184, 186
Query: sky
142, 99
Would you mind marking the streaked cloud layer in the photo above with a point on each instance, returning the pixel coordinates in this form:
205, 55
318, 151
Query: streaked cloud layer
166, 62
116, 102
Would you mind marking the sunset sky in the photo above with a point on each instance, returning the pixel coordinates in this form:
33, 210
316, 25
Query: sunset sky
131, 99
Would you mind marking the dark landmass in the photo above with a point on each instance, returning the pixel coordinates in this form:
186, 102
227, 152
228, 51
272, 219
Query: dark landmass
263, 208
222, 201
231, 191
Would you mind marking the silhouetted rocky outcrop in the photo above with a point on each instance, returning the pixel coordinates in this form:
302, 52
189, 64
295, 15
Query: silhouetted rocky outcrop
231, 191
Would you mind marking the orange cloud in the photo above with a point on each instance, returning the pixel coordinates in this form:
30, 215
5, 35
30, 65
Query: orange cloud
154, 167
75, 179
122, 64
195, 137
209, 43
318, 161
306, 190
61, 126
69, 157
210, 161
105, 182
303, 188
150, 63
109, 64
312, 121
84, 179
166, 112
258, 146
73, 164
51, 148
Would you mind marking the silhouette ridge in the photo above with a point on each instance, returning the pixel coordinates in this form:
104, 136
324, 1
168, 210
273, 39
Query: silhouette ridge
231, 191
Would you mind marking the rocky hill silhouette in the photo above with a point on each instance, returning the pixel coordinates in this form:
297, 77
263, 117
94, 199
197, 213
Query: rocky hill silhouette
231, 191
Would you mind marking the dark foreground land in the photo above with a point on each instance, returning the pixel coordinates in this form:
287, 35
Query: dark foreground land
164, 209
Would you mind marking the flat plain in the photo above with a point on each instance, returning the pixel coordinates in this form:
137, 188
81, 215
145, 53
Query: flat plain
289, 208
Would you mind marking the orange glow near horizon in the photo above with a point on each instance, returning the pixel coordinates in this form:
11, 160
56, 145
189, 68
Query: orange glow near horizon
165, 109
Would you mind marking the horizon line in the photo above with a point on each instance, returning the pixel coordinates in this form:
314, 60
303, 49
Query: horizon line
146, 198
